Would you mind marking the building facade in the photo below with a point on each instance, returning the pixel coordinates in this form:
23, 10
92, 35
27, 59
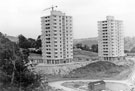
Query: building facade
57, 38
110, 39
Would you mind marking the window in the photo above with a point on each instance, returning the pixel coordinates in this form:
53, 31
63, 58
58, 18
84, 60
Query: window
105, 51
105, 39
47, 24
55, 49
55, 27
54, 20
55, 23
47, 34
104, 27
55, 34
104, 24
48, 42
47, 27
104, 30
48, 49
104, 21
47, 38
54, 15
55, 41
56, 56
48, 56
105, 42
55, 37
55, 30
47, 20
48, 52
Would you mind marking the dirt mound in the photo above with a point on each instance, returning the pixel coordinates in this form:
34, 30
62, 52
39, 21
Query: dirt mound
97, 69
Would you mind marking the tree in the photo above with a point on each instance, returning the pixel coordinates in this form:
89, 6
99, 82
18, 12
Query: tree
32, 42
38, 42
94, 48
79, 45
126, 51
23, 42
86, 48
14, 68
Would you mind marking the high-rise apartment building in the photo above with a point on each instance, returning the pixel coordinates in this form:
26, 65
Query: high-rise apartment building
57, 38
110, 39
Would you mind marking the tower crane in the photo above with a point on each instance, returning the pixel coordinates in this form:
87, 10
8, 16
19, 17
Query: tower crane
50, 8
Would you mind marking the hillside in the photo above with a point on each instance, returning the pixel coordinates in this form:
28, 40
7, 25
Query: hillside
87, 41
12, 38
129, 42
85, 53
100, 69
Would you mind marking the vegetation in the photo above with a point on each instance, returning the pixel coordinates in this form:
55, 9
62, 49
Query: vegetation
15, 73
25, 44
85, 53
86, 41
129, 42
29, 43
100, 69
93, 48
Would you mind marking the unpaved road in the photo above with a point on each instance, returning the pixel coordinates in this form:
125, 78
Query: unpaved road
58, 84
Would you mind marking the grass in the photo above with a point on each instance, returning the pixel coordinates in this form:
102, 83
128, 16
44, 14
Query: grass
85, 53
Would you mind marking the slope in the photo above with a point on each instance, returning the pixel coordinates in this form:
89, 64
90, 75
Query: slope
97, 70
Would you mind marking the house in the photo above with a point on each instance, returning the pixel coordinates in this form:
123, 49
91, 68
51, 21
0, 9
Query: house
35, 58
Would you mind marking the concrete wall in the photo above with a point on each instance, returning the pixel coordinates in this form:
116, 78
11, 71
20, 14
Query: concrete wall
61, 69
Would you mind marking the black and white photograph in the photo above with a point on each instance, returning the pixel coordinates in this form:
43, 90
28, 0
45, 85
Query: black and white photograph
67, 45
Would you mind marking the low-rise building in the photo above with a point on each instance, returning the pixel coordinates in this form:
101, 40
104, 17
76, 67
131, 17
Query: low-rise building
96, 86
35, 58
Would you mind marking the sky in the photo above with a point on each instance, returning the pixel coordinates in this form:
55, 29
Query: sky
23, 16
